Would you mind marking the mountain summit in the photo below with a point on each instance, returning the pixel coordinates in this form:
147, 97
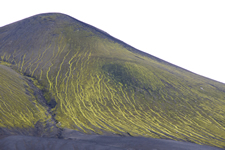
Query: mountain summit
58, 73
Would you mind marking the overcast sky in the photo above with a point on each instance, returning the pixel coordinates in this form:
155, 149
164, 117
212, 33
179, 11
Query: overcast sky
188, 33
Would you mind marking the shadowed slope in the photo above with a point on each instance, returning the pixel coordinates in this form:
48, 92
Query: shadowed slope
101, 85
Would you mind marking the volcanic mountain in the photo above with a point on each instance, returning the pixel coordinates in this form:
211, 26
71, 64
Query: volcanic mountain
58, 74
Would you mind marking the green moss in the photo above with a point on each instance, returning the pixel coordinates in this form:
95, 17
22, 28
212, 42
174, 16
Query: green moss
19, 107
121, 74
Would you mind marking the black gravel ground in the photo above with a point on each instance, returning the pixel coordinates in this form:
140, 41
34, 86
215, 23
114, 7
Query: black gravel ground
96, 142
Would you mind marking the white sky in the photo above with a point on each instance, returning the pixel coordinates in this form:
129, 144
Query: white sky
188, 33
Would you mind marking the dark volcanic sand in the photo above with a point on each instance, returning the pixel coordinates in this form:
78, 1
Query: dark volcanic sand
95, 142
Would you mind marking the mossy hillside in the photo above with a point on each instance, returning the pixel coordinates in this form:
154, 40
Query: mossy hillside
101, 85
19, 107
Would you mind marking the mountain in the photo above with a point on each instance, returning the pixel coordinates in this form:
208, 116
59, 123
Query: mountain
59, 74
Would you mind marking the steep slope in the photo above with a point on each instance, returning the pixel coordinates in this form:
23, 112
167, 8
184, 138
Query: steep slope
21, 110
96, 83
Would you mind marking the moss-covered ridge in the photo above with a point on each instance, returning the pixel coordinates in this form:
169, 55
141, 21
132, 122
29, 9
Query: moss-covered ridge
100, 84
22, 109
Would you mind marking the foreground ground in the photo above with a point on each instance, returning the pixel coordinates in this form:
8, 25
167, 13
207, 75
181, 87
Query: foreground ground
78, 141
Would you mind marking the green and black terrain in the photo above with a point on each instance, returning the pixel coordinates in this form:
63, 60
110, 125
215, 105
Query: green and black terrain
58, 74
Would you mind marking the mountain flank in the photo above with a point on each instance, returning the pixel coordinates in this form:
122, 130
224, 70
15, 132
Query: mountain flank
58, 73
